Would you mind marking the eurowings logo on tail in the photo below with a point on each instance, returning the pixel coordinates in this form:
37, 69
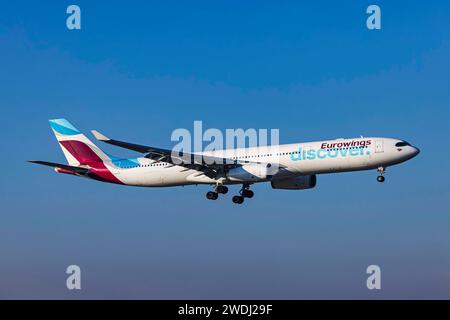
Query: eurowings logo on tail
79, 150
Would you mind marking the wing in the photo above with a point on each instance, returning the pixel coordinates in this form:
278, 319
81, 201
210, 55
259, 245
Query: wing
209, 165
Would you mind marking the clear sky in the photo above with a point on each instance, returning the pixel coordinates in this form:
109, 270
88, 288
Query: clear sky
137, 70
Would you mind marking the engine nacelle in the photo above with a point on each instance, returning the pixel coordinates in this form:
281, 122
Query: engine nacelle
297, 183
250, 172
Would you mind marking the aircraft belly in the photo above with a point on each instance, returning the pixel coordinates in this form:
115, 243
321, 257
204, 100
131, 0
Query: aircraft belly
139, 177
151, 177
197, 177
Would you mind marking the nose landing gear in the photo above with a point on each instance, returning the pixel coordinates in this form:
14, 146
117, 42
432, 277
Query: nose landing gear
380, 178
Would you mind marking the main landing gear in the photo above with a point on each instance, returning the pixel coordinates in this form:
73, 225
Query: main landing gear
381, 170
213, 195
245, 192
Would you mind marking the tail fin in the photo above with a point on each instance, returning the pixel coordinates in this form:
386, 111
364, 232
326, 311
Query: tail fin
77, 148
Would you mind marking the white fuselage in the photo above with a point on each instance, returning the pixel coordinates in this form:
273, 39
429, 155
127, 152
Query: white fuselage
291, 160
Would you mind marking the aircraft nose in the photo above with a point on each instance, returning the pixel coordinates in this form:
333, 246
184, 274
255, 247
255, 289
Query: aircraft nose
416, 151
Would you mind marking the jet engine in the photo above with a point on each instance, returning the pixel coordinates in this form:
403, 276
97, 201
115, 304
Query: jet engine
297, 183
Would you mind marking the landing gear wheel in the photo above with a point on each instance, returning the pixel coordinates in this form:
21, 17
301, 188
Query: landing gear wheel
211, 195
247, 193
238, 199
222, 189
381, 171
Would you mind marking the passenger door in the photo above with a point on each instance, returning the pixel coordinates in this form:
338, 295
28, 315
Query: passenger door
379, 146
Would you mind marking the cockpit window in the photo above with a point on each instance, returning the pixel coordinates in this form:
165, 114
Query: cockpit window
402, 144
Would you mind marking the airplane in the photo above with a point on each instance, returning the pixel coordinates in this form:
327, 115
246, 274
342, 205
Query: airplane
297, 165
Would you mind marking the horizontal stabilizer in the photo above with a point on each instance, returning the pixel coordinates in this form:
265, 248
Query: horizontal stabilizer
78, 170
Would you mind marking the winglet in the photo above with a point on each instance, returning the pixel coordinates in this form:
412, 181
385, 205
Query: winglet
99, 136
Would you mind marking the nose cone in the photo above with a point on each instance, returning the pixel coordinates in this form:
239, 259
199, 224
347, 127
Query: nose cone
414, 152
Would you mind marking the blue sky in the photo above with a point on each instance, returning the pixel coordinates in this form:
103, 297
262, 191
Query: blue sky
138, 71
